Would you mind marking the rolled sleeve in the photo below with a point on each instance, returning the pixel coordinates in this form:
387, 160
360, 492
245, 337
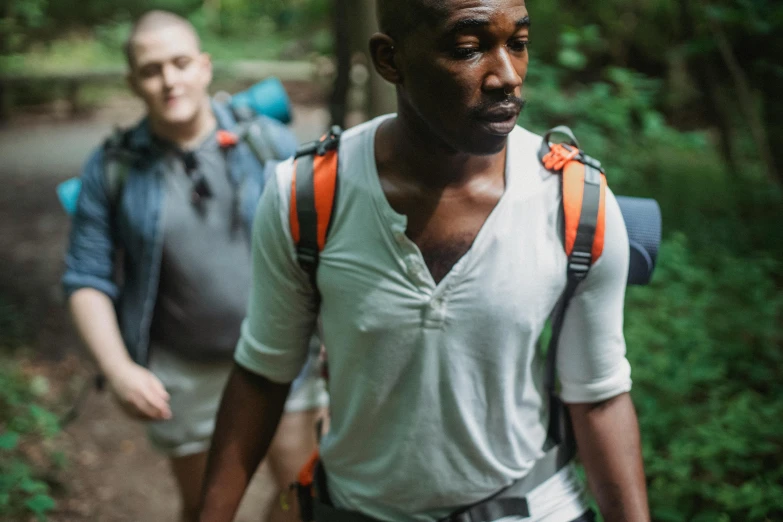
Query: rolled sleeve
591, 360
89, 262
282, 308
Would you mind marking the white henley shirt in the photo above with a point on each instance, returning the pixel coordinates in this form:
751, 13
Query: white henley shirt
436, 391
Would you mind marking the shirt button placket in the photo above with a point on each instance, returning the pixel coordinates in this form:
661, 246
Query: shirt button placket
435, 312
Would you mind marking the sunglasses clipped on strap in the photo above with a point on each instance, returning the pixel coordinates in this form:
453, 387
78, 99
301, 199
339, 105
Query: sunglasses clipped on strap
200, 189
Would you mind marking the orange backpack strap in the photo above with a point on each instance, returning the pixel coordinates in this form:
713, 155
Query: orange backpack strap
584, 200
313, 191
584, 197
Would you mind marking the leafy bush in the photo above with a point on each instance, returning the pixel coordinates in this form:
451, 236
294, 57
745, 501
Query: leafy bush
704, 342
617, 121
23, 422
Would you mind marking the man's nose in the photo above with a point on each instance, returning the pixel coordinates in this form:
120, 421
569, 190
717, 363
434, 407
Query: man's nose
169, 73
504, 74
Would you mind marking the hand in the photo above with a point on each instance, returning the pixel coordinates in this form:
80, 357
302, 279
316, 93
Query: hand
139, 392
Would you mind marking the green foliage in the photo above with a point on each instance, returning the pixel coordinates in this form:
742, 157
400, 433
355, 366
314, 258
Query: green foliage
23, 422
12, 325
705, 338
617, 121
704, 343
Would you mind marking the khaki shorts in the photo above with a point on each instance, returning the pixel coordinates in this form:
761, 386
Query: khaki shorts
195, 390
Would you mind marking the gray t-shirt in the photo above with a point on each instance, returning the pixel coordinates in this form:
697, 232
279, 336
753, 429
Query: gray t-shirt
205, 270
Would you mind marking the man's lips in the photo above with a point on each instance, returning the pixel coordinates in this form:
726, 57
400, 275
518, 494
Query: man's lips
500, 112
500, 119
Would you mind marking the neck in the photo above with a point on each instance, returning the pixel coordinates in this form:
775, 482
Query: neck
416, 154
187, 134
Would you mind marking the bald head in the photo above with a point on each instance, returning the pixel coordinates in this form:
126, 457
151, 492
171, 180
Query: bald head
154, 21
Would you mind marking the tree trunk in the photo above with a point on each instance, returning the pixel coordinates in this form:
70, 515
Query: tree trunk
708, 82
745, 98
338, 100
382, 96
354, 24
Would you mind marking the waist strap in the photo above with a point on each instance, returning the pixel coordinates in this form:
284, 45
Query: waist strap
510, 501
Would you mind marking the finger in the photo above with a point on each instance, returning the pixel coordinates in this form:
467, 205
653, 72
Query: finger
158, 404
137, 410
157, 387
145, 408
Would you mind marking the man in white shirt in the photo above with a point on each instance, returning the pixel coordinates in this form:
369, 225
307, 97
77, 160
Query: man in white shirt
443, 263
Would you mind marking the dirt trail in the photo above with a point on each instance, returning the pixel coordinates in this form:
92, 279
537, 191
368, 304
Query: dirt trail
111, 475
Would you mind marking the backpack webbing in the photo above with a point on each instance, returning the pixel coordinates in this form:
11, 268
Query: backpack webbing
119, 157
313, 193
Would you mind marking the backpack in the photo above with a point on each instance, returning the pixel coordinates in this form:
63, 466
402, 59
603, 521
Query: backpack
119, 157
313, 196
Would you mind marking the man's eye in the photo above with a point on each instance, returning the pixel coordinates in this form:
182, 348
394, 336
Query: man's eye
148, 72
462, 53
519, 45
181, 63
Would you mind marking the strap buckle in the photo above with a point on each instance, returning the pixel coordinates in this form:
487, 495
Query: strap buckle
330, 141
306, 255
320, 147
559, 155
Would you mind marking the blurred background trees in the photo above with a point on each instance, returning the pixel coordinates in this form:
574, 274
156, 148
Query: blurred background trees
679, 99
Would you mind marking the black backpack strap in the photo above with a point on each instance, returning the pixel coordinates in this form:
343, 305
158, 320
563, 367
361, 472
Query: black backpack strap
583, 188
118, 158
313, 196
307, 252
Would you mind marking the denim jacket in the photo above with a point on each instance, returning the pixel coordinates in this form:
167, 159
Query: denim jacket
133, 225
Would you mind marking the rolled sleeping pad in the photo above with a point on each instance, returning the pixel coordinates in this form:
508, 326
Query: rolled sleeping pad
68, 194
642, 218
267, 98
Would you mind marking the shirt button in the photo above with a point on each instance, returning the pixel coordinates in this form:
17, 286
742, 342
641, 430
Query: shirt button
400, 237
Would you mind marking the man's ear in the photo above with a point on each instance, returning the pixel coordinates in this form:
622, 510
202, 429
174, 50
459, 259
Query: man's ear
385, 58
206, 63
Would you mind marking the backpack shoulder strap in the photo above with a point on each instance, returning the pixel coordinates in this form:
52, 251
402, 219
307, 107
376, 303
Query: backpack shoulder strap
117, 162
251, 129
257, 137
313, 195
583, 200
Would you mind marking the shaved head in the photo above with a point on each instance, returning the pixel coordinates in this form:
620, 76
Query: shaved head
398, 18
153, 21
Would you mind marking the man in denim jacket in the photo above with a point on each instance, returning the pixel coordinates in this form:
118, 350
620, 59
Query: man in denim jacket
174, 199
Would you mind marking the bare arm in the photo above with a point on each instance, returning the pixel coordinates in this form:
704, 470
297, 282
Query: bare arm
607, 434
246, 422
136, 388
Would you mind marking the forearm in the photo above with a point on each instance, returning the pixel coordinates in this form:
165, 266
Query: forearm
607, 435
96, 321
246, 422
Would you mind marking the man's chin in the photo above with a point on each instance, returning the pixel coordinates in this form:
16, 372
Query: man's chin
486, 144
177, 116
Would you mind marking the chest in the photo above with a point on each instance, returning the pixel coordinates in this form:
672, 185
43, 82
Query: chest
143, 196
374, 276
445, 224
